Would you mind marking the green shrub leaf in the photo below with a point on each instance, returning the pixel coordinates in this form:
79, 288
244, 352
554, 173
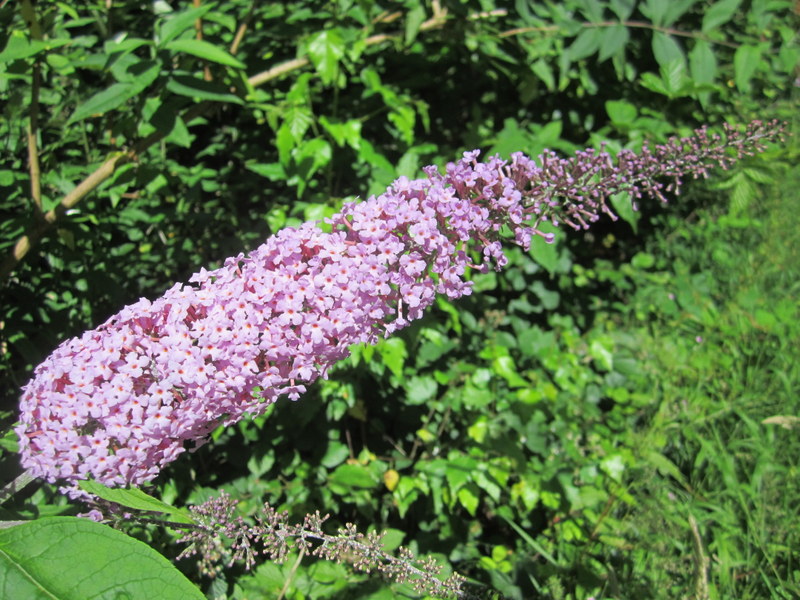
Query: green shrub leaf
206, 51
69, 558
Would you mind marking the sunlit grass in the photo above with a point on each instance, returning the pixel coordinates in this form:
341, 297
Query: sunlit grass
717, 507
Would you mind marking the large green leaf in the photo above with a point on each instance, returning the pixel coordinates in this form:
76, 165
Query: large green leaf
206, 51
102, 102
21, 46
69, 558
719, 14
193, 87
177, 23
325, 49
745, 64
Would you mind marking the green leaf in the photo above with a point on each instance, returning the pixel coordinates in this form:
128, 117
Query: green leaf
666, 49
136, 499
325, 49
613, 40
177, 23
414, 19
468, 498
622, 8
272, 171
393, 353
665, 13
206, 51
719, 14
459, 471
107, 100
312, 155
545, 254
193, 87
676, 9
542, 69
655, 10
654, 83
69, 558
349, 476
20, 46
592, 10
702, 63
745, 63
621, 112
507, 369
586, 44
420, 390
347, 133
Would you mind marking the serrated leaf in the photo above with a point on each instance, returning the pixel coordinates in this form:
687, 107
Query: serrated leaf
719, 13
673, 74
393, 353
325, 49
759, 175
666, 49
654, 83
742, 195
347, 133
69, 558
206, 51
136, 499
420, 390
621, 112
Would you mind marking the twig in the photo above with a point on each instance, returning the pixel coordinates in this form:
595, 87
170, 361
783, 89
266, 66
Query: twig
198, 25
631, 24
20, 483
242, 29
29, 15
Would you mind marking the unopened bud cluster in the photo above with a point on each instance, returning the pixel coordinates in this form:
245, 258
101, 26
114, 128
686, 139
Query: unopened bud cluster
221, 538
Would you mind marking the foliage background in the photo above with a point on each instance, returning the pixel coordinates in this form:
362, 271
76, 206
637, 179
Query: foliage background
590, 423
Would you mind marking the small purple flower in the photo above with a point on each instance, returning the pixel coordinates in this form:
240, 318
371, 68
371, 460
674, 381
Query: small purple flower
121, 401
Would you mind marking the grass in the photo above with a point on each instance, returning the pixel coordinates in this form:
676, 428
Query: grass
717, 512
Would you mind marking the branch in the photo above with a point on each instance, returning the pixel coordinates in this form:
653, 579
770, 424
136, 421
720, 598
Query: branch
29, 15
631, 24
20, 483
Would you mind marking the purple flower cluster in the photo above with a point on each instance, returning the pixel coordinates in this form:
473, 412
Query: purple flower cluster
119, 402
